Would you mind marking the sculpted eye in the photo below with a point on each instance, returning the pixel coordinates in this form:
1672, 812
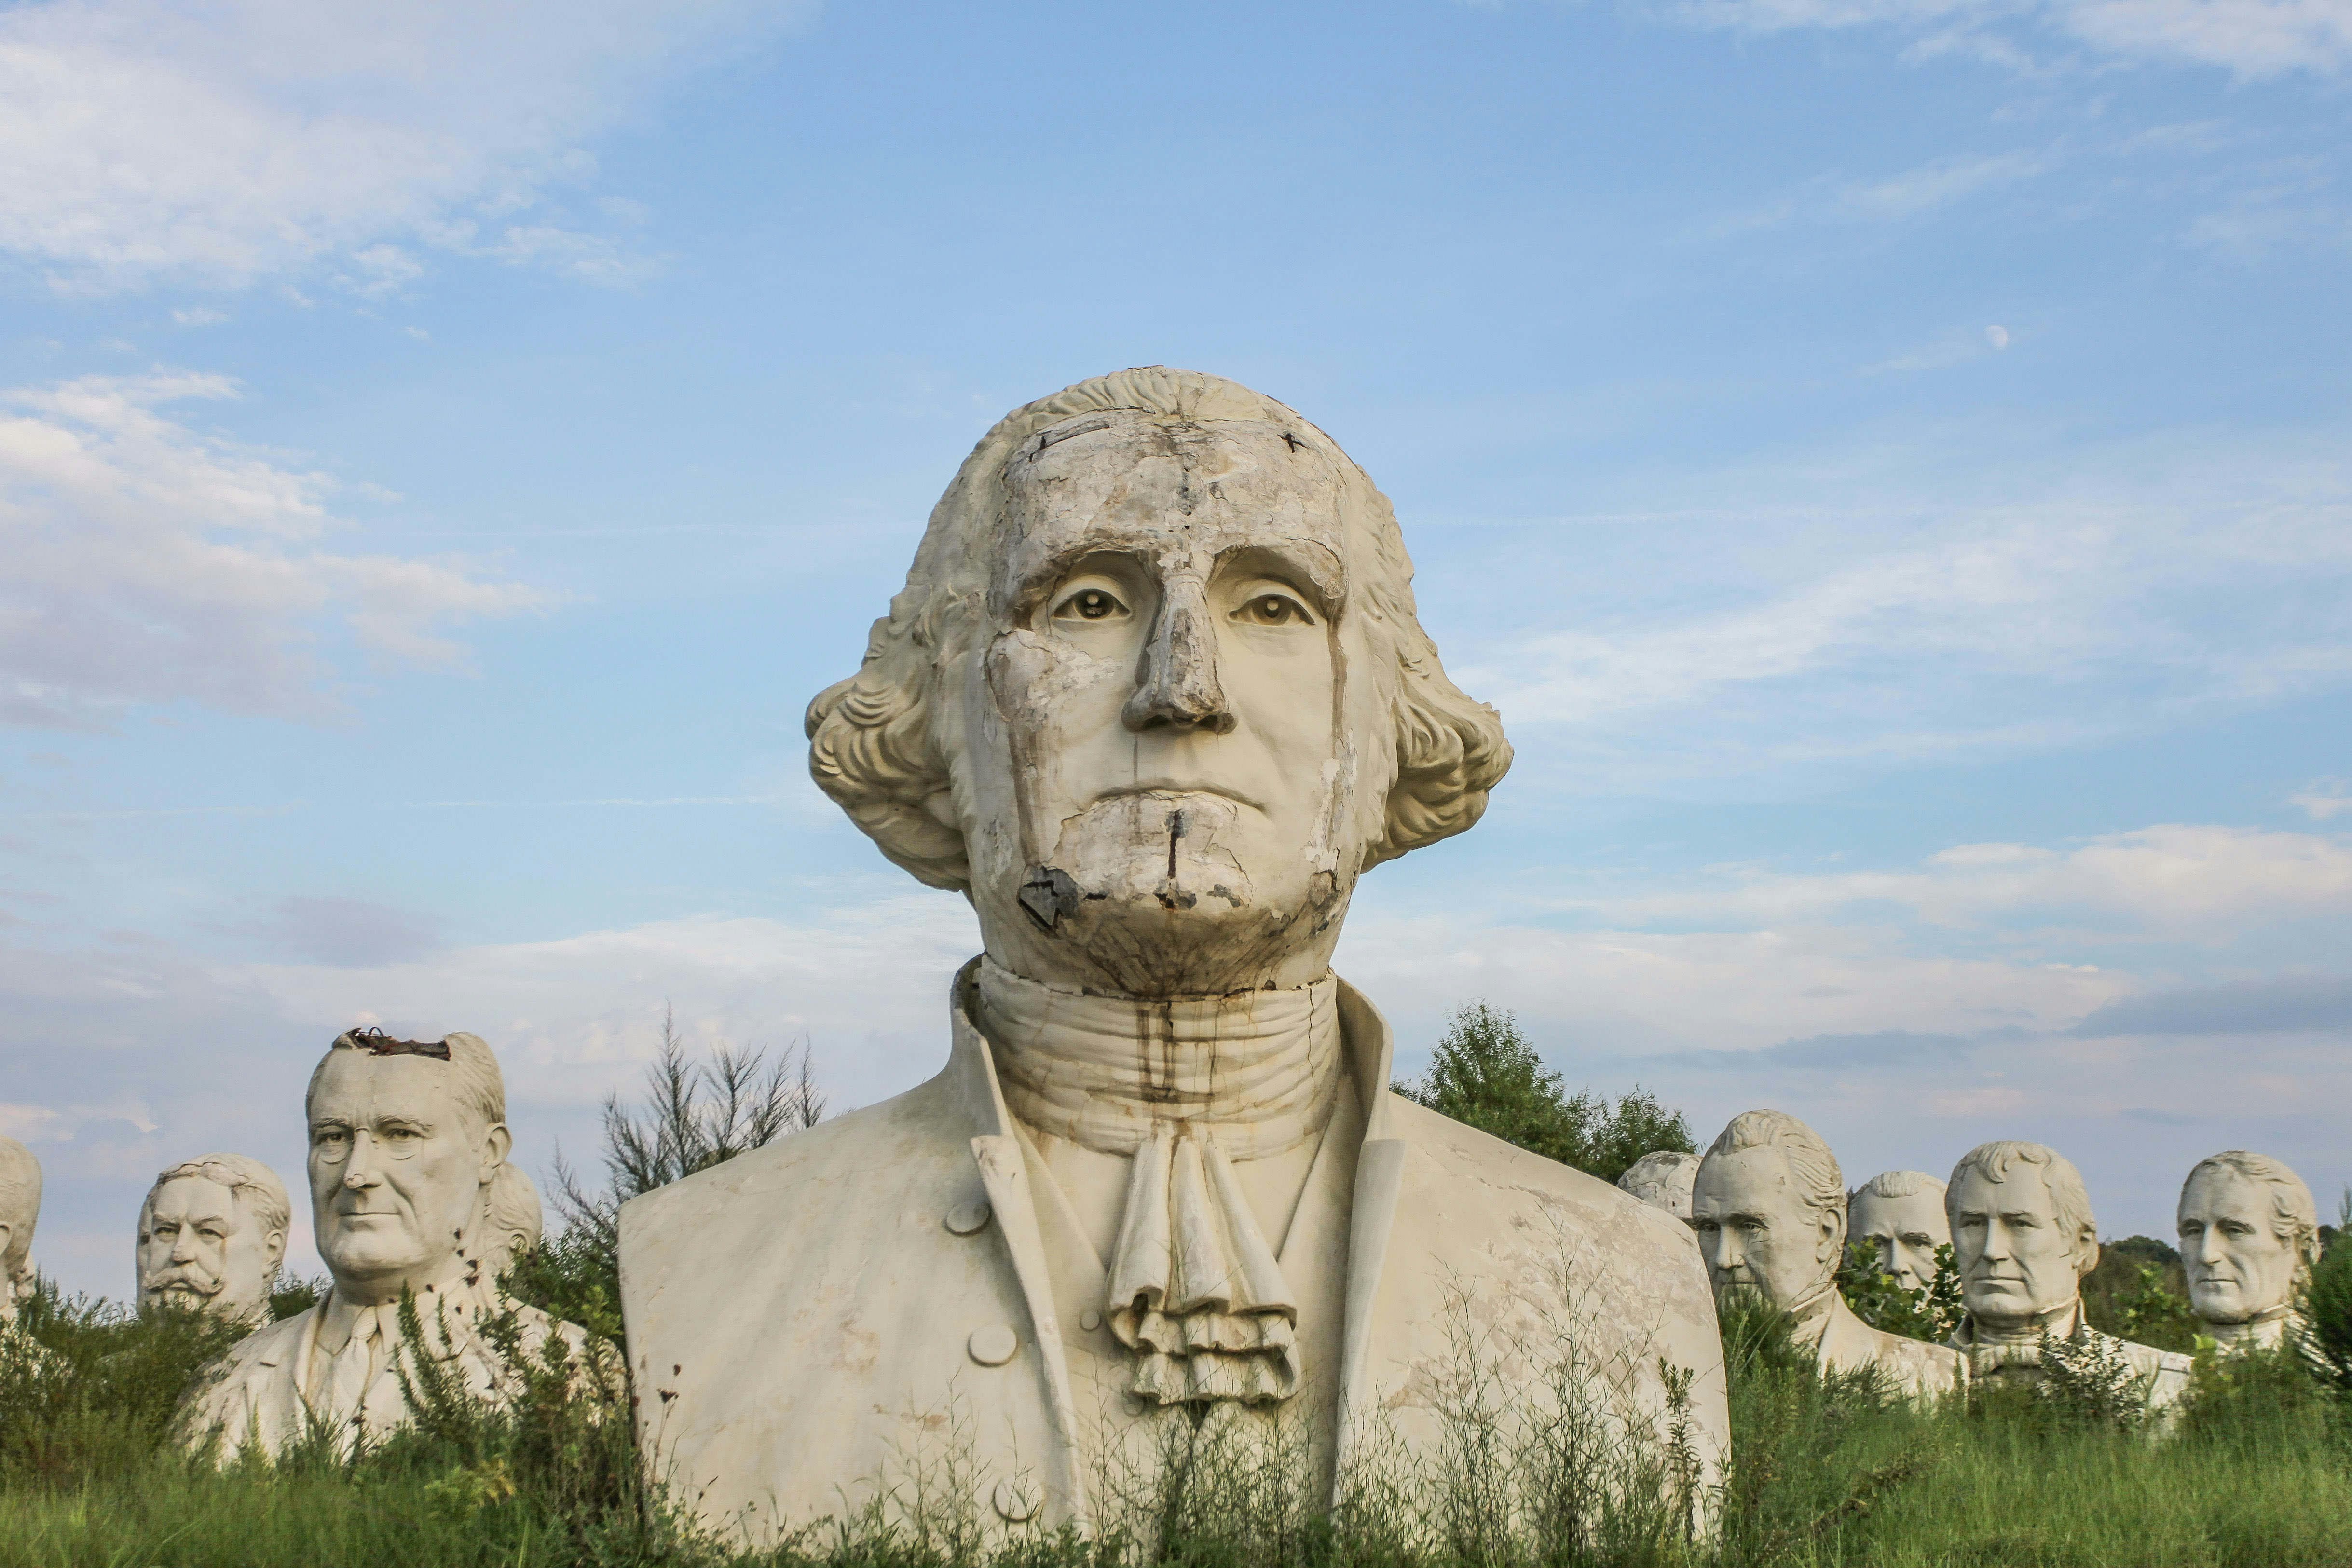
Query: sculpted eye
1273, 609
1090, 604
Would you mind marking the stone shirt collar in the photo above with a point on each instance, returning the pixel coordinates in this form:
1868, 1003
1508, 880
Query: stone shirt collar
1257, 1069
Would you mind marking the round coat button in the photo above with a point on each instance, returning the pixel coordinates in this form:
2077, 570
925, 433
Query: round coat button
966, 1217
1091, 1319
993, 1346
1015, 1501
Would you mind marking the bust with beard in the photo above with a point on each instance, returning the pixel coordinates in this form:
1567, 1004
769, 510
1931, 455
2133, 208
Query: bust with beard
1153, 699
211, 1236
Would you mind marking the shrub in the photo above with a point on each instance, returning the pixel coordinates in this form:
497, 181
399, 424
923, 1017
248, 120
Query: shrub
1930, 1312
1485, 1073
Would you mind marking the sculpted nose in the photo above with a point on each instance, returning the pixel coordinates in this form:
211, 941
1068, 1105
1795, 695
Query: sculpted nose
1177, 686
361, 1172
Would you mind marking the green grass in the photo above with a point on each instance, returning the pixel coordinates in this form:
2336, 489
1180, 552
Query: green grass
2257, 1471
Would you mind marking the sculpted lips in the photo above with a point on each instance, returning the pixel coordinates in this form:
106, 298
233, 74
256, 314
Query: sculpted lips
1175, 787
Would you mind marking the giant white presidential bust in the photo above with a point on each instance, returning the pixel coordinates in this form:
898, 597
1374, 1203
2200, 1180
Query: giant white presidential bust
1663, 1180
20, 1211
1900, 1213
2022, 1237
212, 1235
2249, 1237
411, 1198
1154, 698
1769, 1207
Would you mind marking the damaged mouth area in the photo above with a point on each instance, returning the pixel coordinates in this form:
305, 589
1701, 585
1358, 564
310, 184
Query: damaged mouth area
1050, 895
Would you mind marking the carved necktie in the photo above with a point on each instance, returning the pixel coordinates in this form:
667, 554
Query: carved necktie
1186, 1089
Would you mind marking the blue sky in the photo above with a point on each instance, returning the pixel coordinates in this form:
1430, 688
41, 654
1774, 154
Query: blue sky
1887, 458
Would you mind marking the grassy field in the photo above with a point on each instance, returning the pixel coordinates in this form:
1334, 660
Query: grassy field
2258, 1472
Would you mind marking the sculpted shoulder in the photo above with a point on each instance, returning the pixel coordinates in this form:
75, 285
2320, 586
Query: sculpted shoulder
266, 1346
1463, 1151
870, 1150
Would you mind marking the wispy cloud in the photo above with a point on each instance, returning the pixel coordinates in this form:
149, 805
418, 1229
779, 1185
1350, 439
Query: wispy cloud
2249, 38
2179, 879
1900, 617
149, 562
260, 137
2272, 1003
2326, 798
1939, 184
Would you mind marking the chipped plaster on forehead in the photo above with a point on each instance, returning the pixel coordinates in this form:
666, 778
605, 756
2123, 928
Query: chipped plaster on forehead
1184, 495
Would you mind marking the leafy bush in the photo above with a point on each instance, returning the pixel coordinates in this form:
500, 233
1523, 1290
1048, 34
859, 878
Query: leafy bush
693, 1117
1485, 1073
2140, 1291
1930, 1312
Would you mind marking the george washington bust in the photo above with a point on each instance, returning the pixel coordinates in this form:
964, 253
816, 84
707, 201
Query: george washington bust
1154, 698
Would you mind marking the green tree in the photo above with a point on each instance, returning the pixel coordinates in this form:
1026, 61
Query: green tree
1485, 1073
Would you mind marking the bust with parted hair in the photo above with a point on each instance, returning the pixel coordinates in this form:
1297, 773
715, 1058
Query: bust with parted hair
1154, 698
2249, 1239
2023, 1237
212, 1235
20, 1212
1768, 1206
413, 1197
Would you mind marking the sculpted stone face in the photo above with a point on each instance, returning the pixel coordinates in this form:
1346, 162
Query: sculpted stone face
1759, 1237
1171, 808
20, 1211
199, 1251
1905, 1230
398, 1166
2016, 1260
2238, 1265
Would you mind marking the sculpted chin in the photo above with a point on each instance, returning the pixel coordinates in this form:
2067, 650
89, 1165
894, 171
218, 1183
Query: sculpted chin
1154, 698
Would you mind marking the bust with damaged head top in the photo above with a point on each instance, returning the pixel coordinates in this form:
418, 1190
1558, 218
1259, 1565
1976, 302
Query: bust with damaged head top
1154, 698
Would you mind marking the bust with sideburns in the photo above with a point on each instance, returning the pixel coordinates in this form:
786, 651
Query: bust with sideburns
211, 1236
2249, 1239
1154, 698
2023, 1237
1769, 1208
409, 1178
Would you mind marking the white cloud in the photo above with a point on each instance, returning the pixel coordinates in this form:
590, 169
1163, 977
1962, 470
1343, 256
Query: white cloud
2251, 38
251, 137
2326, 798
576, 1015
1901, 602
151, 562
199, 317
2184, 880
1939, 184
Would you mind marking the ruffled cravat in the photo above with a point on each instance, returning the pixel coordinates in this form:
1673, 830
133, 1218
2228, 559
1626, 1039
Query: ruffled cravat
1185, 1088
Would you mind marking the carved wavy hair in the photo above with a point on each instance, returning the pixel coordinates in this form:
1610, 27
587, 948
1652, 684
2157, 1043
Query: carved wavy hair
2072, 1200
2294, 1217
250, 1181
875, 744
1897, 1183
510, 1207
1820, 1183
20, 1200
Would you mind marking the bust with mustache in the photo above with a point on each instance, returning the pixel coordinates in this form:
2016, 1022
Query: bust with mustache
212, 1236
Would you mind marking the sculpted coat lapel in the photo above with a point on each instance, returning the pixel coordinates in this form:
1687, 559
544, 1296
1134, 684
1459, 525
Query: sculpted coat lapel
864, 1313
